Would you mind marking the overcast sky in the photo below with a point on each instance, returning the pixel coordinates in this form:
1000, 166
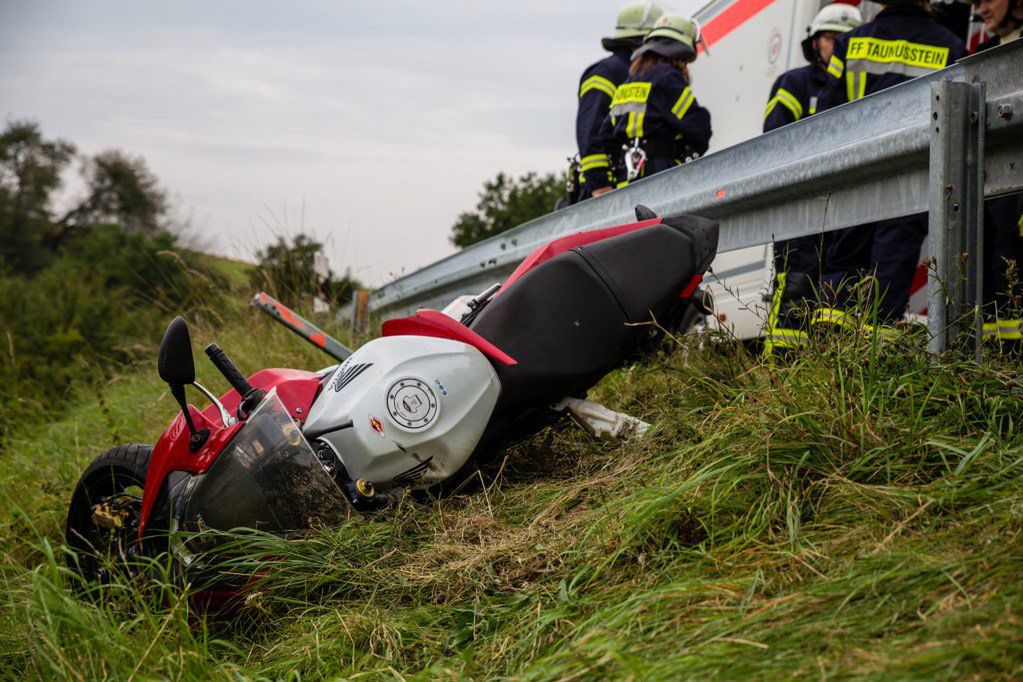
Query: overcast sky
371, 125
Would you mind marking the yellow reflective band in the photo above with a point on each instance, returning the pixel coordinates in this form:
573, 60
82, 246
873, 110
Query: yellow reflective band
791, 101
882, 332
896, 53
989, 330
1009, 330
787, 338
779, 289
593, 161
830, 316
631, 92
1020, 223
682, 104
788, 100
836, 67
855, 85
597, 83
634, 126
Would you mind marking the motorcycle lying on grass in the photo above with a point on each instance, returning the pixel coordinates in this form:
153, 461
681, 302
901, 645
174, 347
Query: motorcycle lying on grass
288, 450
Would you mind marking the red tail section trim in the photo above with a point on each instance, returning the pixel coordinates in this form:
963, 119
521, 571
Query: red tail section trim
559, 246
691, 287
440, 326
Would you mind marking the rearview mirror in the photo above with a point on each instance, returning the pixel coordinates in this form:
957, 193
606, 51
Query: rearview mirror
175, 360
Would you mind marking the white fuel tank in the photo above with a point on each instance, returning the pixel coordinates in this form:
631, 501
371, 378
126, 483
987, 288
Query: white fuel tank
417, 408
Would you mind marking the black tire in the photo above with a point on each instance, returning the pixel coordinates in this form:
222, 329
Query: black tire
115, 478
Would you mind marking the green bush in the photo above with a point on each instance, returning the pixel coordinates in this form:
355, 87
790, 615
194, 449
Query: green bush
84, 315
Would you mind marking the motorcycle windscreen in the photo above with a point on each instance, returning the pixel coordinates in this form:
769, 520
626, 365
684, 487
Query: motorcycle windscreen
268, 478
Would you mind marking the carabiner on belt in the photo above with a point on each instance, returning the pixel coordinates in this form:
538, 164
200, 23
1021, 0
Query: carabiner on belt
635, 159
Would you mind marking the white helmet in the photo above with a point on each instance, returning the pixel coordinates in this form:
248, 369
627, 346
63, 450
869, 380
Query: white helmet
836, 17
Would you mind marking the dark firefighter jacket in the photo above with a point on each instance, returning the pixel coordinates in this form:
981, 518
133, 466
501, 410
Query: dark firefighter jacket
796, 261
596, 88
794, 96
657, 107
1003, 259
903, 42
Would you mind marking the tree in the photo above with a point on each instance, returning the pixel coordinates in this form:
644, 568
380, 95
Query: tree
287, 271
30, 172
119, 190
505, 203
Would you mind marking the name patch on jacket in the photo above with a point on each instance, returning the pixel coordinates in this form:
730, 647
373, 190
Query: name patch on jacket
630, 97
877, 56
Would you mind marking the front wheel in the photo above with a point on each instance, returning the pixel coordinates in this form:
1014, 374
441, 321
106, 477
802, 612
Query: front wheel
103, 518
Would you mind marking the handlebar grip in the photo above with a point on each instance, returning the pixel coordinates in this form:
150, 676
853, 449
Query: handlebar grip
220, 360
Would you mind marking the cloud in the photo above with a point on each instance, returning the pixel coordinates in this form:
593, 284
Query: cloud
377, 122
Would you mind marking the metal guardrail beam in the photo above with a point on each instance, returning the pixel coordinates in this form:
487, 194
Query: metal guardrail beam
858, 163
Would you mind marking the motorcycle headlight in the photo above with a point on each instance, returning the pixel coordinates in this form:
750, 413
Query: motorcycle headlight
267, 478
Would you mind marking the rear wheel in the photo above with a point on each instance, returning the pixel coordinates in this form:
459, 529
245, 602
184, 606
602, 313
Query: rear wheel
103, 518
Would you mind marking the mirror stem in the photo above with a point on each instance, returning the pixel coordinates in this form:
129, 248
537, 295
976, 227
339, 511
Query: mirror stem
199, 436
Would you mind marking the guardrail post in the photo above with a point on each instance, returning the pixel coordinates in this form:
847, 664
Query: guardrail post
956, 215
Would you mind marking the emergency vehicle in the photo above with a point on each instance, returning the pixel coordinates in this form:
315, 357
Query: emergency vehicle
749, 43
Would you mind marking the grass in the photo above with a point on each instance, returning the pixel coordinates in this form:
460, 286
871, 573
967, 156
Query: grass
854, 514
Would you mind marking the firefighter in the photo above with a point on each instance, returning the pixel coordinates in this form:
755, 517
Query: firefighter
876, 262
793, 97
1003, 216
1003, 271
1002, 18
654, 122
596, 88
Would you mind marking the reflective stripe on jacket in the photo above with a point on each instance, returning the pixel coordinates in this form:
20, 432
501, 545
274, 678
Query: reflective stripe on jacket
794, 96
903, 42
658, 107
596, 88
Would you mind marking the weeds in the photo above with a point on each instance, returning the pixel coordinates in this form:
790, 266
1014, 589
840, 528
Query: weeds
854, 513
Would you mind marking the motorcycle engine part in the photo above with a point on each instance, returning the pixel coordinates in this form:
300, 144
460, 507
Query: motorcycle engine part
418, 406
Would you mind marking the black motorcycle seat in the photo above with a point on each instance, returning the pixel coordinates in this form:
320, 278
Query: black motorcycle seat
575, 317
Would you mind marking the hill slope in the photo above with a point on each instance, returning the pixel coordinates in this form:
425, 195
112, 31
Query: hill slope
857, 514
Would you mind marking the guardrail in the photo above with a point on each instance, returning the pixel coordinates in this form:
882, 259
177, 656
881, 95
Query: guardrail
939, 143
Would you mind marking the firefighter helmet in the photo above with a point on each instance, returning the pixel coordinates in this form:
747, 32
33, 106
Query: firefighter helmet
674, 36
633, 22
837, 17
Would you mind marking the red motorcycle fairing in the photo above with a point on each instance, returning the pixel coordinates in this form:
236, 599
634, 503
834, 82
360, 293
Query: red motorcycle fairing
296, 388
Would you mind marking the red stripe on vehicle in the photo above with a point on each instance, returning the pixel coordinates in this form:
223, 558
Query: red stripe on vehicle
732, 18
919, 279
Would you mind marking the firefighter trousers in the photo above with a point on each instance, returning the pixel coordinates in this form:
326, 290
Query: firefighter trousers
1003, 267
887, 252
